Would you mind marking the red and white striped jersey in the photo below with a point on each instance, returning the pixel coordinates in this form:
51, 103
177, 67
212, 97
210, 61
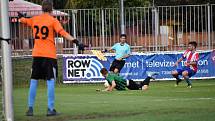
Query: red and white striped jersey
191, 57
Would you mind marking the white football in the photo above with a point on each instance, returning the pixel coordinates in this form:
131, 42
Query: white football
106, 84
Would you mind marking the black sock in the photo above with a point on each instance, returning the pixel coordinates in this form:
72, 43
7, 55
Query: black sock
178, 79
146, 81
148, 78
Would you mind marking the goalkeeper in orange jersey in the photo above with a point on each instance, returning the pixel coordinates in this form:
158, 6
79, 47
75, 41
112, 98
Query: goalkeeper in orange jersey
44, 64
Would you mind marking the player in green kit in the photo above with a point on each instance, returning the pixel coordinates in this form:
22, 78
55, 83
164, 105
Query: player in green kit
119, 83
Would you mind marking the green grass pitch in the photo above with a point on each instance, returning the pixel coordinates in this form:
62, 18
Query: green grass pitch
162, 102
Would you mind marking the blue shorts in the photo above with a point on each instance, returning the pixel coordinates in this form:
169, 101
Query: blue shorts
190, 71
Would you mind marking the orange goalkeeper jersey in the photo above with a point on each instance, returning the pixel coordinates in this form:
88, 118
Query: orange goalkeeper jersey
44, 27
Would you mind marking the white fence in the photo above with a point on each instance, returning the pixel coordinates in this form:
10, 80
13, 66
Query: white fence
158, 28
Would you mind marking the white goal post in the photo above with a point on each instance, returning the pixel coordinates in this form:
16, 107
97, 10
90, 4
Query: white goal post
6, 62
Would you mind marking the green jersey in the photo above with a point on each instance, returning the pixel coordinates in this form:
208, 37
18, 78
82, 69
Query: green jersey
120, 82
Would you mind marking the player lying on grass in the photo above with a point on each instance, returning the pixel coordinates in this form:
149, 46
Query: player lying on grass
119, 83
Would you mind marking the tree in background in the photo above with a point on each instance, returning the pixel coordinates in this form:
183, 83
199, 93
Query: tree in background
82, 4
35, 1
58, 4
180, 2
104, 3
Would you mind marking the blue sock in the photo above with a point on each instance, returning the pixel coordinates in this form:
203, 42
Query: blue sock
32, 92
189, 82
50, 93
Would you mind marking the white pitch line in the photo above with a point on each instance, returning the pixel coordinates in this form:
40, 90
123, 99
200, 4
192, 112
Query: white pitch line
183, 99
133, 101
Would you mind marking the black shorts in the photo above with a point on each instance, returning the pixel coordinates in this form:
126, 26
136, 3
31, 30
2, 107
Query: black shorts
136, 86
133, 85
44, 68
117, 64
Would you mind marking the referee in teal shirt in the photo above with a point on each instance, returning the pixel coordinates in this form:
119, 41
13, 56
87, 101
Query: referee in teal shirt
123, 51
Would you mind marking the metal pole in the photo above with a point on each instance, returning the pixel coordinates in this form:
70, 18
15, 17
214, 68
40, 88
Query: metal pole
74, 12
153, 30
122, 22
6, 60
155, 26
103, 30
209, 27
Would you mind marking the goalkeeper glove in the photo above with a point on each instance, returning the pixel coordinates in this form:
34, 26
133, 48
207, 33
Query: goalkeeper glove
76, 42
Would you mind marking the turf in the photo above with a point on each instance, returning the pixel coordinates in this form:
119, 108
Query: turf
162, 102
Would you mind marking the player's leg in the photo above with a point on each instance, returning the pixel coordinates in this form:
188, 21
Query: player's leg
51, 77
116, 70
31, 97
145, 87
176, 74
187, 74
145, 83
51, 93
119, 66
132, 85
113, 65
186, 78
35, 75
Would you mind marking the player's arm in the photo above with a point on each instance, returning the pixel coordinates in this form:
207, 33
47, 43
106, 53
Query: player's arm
182, 58
107, 50
125, 56
111, 87
193, 63
188, 63
24, 20
68, 37
110, 49
106, 89
59, 29
178, 61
